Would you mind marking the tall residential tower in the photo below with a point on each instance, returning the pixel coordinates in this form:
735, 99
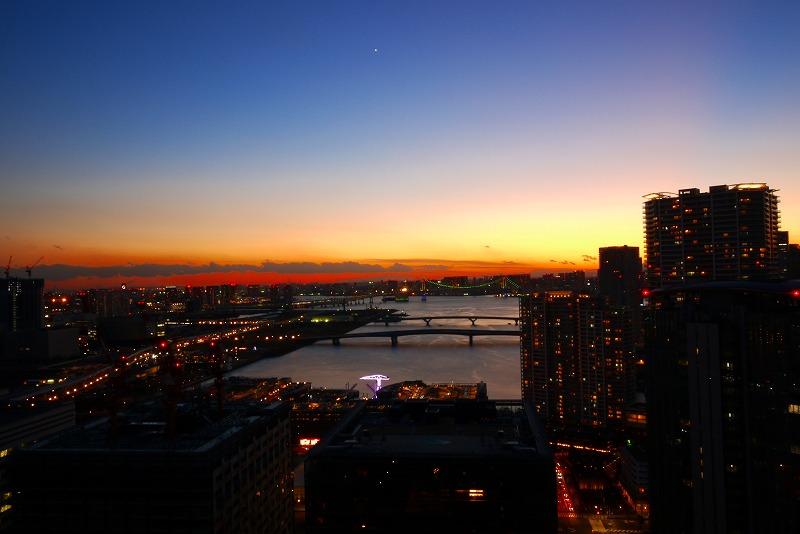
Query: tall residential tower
728, 233
724, 407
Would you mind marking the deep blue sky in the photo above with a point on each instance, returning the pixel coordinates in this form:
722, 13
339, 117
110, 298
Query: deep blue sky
253, 107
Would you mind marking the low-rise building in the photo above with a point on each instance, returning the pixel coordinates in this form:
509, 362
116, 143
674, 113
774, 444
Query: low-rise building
212, 473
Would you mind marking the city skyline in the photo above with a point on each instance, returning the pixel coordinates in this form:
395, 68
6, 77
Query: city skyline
476, 140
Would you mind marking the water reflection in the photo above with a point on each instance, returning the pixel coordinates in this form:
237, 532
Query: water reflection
432, 358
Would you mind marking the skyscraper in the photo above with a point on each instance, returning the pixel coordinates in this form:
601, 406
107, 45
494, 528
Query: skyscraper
572, 364
729, 233
619, 280
724, 407
21, 304
619, 276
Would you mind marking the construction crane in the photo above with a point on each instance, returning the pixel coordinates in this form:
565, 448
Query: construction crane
30, 267
8, 267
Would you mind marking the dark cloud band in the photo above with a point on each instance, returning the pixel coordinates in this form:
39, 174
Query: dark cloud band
66, 272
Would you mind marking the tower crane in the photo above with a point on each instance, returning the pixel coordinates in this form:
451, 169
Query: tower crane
30, 267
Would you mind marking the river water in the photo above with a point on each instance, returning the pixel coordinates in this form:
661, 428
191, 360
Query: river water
430, 358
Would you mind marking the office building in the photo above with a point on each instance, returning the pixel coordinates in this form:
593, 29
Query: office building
433, 466
573, 356
214, 474
724, 408
728, 233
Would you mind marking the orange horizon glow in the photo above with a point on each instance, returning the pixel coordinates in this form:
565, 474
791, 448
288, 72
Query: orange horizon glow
458, 269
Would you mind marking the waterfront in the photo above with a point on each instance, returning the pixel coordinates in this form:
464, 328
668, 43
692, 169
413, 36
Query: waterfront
431, 358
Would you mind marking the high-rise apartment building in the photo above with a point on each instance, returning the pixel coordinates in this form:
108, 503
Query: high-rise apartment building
724, 408
728, 233
21, 304
619, 276
619, 284
572, 360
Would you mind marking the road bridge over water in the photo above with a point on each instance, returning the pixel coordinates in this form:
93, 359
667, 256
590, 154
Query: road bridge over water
394, 335
428, 318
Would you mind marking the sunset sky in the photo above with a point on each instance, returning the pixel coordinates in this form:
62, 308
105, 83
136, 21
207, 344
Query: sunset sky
199, 142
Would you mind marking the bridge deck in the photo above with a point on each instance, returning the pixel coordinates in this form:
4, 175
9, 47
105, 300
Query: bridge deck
427, 317
470, 332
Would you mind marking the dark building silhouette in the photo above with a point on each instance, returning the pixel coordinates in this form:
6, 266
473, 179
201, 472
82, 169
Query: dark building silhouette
619, 276
21, 427
789, 257
724, 408
728, 233
619, 284
21, 304
566, 281
213, 474
783, 254
573, 357
793, 262
433, 466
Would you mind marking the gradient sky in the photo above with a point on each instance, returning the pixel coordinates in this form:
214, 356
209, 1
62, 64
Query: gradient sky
456, 135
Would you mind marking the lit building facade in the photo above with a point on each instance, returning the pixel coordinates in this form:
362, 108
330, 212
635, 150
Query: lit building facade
573, 357
724, 408
728, 233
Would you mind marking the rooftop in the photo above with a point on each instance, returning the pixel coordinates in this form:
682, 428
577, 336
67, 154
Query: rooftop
434, 427
144, 430
416, 389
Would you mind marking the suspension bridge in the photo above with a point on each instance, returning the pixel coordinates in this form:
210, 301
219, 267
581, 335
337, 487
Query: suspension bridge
503, 282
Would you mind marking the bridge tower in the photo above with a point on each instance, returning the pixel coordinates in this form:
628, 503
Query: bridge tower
423, 286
